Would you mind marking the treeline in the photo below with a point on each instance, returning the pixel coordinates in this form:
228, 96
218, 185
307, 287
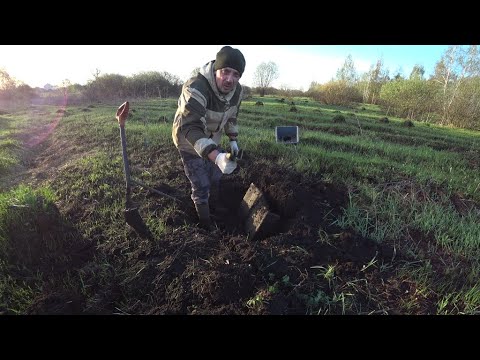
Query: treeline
11, 89
105, 87
450, 96
151, 84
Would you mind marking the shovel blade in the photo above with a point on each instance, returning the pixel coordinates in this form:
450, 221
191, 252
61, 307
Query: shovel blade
133, 218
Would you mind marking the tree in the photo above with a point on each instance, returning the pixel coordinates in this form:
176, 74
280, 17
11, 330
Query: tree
107, 86
347, 72
398, 74
417, 72
457, 65
341, 90
96, 73
336, 92
413, 98
14, 91
24, 93
372, 82
7, 85
264, 75
65, 87
6, 81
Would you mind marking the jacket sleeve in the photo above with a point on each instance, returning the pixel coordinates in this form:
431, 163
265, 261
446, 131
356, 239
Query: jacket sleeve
192, 110
231, 128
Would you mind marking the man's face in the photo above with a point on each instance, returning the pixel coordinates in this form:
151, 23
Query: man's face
226, 79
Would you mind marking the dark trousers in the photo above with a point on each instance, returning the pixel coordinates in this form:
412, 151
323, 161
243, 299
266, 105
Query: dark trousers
203, 175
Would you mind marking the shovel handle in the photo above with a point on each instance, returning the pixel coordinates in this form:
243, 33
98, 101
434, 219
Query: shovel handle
122, 113
155, 190
125, 159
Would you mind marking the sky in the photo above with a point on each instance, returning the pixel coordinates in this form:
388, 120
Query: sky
298, 65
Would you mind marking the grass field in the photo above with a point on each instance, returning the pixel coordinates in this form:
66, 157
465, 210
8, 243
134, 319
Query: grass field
377, 216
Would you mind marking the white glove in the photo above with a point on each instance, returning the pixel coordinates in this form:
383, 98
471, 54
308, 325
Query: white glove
234, 147
225, 165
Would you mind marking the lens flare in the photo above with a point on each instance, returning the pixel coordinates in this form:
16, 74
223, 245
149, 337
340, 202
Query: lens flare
45, 131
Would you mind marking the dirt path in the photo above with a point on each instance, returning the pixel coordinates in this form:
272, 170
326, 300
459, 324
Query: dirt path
34, 141
41, 155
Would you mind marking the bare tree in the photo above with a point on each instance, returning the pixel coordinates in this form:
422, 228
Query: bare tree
372, 82
347, 72
456, 65
65, 87
96, 74
264, 75
7, 87
417, 72
6, 81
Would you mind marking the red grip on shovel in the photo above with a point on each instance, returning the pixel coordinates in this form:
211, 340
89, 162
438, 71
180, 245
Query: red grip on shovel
122, 113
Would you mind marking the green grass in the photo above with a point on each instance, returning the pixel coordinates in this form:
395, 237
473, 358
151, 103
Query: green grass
18, 203
17, 208
401, 181
8, 144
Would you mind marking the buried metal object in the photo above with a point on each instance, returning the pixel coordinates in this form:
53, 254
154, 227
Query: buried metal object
259, 222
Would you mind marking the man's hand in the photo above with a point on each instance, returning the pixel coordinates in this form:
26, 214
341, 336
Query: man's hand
225, 165
234, 148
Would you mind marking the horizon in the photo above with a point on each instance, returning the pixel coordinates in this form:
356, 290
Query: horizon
298, 65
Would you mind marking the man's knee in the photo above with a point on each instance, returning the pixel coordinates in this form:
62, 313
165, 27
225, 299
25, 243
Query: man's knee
200, 195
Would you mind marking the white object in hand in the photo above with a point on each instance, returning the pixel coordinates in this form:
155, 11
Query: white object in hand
226, 166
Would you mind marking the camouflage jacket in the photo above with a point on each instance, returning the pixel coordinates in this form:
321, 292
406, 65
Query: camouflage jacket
203, 113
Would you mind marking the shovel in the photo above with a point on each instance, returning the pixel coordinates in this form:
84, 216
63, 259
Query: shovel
132, 216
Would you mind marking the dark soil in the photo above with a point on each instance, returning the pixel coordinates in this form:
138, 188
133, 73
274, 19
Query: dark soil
306, 266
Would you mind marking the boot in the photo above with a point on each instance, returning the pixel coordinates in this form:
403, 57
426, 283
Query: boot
203, 213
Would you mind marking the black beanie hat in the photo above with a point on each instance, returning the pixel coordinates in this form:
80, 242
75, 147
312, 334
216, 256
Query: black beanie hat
230, 57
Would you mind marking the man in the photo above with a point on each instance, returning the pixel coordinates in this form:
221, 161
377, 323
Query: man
208, 105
